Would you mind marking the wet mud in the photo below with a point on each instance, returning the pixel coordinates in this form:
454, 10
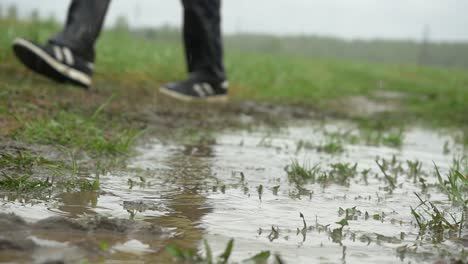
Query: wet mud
59, 239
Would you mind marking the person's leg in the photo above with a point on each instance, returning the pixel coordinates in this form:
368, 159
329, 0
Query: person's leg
204, 54
69, 55
84, 23
202, 38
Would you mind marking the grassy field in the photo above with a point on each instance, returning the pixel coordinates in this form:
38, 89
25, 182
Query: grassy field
132, 68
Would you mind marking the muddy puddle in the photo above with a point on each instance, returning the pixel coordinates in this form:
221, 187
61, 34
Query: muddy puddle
238, 187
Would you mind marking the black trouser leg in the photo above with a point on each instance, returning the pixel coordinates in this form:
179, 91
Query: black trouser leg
84, 23
202, 39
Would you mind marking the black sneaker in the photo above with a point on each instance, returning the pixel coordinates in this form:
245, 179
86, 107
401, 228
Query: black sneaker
197, 90
55, 62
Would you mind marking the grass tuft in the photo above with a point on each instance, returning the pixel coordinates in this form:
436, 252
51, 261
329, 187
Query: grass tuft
301, 174
338, 173
23, 183
72, 130
455, 184
188, 256
433, 222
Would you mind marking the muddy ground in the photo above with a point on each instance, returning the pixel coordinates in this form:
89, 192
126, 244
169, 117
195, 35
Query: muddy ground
194, 125
220, 172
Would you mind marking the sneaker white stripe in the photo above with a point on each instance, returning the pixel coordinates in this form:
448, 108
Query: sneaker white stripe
208, 89
68, 56
197, 88
187, 98
225, 85
58, 53
90, 66
60, 67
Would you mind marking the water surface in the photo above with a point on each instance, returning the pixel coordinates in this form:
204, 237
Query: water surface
237, 187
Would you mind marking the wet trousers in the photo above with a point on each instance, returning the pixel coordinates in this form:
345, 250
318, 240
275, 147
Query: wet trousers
201, 33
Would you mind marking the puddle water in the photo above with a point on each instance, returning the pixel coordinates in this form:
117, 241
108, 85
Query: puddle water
238, 188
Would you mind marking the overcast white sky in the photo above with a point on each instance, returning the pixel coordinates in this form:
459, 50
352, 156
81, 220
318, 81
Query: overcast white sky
367, 19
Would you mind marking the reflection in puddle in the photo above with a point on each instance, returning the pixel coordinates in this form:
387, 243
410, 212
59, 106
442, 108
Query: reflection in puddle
133, 246
238, 188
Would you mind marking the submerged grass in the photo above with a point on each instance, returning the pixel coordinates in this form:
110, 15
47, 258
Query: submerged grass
338, 173
27, 184
16, 171
390, 172
25, 172
381, 131
187, 256
22, 183
330, 146
334, 142
24, 161
434, 223
391, 139
301, 174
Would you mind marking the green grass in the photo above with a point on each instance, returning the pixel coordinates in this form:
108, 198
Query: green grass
22, 183
73, 130
330, 146
430, 94
24, 161
391, 138
390, 178
338, 173
379, 131
187, 256
389, 173
349, 213
301, 174
455, 184
434, 223
334, 142
25, 172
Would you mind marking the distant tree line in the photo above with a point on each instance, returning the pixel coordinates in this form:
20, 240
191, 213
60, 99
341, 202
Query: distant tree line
11, 12
380, 51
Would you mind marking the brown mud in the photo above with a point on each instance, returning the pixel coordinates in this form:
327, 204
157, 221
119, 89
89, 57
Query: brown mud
73, 239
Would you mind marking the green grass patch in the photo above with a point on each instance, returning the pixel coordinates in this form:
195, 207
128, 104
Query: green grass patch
338, 173
23, 183
433, 223
431, 94
334, 142
73, 130
330, 146
455, 184
300, 174
187, 256
24, 161
25, 172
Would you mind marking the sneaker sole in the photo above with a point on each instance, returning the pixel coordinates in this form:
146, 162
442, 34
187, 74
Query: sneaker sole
186, 98
48, 66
